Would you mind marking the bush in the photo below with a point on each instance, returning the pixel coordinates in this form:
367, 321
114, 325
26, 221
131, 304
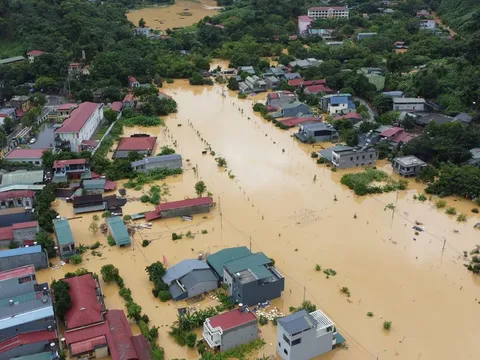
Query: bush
360, 183
242, 96
119, 282
76, 259
127, 218
176, 236
204, 232
95, 218
370, 314
134, 311
422, 198
169, 81
387, 325
345, 291
94, 246
191, 339
440, 204
143, 121
314, 155
145, 199
461, 218
109, 273
451, 211
145, 243
146, 320
321, 160
262, 320
221, 162
126, 294
318, 268
475, 210
164, 295
111, 241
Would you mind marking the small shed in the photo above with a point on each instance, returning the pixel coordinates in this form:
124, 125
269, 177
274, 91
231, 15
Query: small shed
118, 231
65, 241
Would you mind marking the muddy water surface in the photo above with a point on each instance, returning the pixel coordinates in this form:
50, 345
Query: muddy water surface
274, 204
182, 13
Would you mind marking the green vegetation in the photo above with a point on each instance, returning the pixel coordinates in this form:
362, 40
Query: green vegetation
139, 179
461, 218
306, 305
474, 265
346, 291
221, 162
46, 241
165, 150
262, 320
440, 204
145, 243
370, 314
155, 272
422, 198
61, 297
143, 121
329, 272
187, 322
241, 352
318, 268
387, 325
372, 181
43, 209
109, 273
176, 236
451, 211
111, 241
76, 259
200, 188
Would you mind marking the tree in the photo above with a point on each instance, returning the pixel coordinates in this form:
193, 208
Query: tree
232, 84
40, 99
93, 228
155, 271
134, 311
43, 239
8, 125
110, 116
109, 273
45, 83
382, 103
141, 23
200, 188
61, 297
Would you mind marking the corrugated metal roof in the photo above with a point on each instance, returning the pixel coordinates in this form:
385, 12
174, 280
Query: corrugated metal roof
297, 322
157, 159
63, 231
25, 154
5, 188
23, 177
21, 251
255, 263
19, 299
94, 184
232, 319
120, 343
217, 260
182, 268
87, 345
197, 276
47, 355
185, 203
26, 317
119, 231
177, 292
78, 118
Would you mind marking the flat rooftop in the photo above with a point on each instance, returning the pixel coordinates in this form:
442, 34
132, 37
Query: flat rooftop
18, 272
409, 161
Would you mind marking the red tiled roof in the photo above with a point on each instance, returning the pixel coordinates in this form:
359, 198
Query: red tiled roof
14, 194
137, 143
317, 89
27, 338
184, 203
110, 185
273, 95
19, 113
304, 18
6, 233
295, 121
131, 79
36, 52
120, 343
117, 106
271, 108
231, 319
293, 37
391, 132
87, 345
152, 215
25, 154
142, 347
326, 8
295, 82
78, 118
62, 163
17, 272
403, 137
73, 336
24, 225
86, 308
315, 82
66, 106
128, 98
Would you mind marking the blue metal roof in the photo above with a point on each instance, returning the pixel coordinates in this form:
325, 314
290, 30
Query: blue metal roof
63, 231
119, 231
297, 322
21, 251
181, 269
339, 100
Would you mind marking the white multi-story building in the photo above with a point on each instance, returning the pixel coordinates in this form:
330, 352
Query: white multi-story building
328, 12
79, 126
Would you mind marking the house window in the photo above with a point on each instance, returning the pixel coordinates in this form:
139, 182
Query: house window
363, 156
329, 329
287, 340
371, 155
66, 248
358, 157
279, 344
24, 279
285, 351
37, 162
351, 158
296, 342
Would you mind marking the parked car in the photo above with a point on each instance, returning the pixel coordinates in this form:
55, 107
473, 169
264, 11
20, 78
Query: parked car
32, 141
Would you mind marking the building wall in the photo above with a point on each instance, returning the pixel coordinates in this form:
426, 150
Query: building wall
191, 210
29, 160
29, 349
314, 14
309, 347
202, 287
39, 260
406, 170
124, 154
20, 235
85, 132
303, 108
409, 107
336, 109
16, 202
170, 164
303, 26
239, 336
38, 325
349, 160
254, 292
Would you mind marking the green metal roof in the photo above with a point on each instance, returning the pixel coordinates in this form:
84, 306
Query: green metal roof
118, 230
18, 299
217, 260
23, 177
63, 231
94, 184
47, 355
255, 263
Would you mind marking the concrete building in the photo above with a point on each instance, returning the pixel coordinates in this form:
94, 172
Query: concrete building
255, 83
409, 104
428, 25
295, 108
304, 336
79, 126
187, 207
21, 234
230, 329
118, 230
64, 170
189, 278
27, 319
65, 241
33, 54
408, 165
31, 255
279, 98
16, 199
250, 278
368, 35
304, 23
33, 156
272, 82
172, 161
344, 157
328, 12
337, 104
143, 144
316, 132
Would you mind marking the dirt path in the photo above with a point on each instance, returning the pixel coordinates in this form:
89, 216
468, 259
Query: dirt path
440, 22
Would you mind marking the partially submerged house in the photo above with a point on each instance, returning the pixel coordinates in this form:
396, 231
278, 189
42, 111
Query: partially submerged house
408, 166
438, 119
16, 198
65, 240
19, 233
295, 108
143, 144
88, 203
279, 98
27, 319
272, 82
343, 157
250, 278
64, 170
316, 132
118, 231
145, 165
294, 121
23, 256
255, 84
230, 329
189, 278
94, 186
317, 89
185, 207
304, 336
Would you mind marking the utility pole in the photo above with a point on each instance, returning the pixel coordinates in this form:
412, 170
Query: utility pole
395, 208
444, 243
221, 221
304, 291
250, 243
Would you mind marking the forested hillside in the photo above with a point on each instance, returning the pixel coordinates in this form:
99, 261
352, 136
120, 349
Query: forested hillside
463, 15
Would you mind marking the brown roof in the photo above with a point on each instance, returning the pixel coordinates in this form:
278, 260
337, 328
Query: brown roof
25, 154
136, 143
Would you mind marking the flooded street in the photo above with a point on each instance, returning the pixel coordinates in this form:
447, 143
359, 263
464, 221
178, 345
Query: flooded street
271, 202
182, 13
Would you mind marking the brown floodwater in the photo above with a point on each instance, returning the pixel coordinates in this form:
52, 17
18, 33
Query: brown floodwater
274, 204
182, 13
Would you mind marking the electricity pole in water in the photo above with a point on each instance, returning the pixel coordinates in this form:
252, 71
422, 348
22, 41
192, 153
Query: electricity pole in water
250, 243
